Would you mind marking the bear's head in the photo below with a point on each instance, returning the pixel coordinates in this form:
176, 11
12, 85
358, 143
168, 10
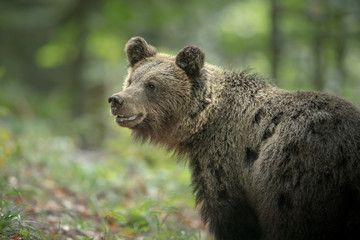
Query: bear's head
159, 91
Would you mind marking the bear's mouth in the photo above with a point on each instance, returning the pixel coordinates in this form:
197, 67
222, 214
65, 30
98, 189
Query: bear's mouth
128, 121
121, 118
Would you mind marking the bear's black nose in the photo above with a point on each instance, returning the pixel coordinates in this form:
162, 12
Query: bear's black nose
115, 99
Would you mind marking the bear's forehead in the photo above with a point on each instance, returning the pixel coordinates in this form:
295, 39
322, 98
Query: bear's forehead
150, 65
153, 68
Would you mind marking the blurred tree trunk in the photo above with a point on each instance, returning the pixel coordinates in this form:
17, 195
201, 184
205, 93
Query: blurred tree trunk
341, 42
318, 51
275, 40
318, 22
87, 99
78, 86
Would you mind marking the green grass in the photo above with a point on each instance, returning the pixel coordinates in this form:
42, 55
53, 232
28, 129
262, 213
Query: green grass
52, 189
13, 224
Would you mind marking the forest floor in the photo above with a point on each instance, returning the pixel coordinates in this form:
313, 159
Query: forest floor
51, 189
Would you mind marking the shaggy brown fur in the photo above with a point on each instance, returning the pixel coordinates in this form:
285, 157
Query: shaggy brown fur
266, 163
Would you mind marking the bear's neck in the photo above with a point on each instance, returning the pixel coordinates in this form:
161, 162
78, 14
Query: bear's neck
225, 98
220, 144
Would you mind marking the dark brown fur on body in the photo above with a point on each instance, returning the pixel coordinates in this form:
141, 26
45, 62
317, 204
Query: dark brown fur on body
266, 163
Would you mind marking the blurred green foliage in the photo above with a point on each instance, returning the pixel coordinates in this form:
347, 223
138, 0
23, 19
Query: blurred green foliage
61, 59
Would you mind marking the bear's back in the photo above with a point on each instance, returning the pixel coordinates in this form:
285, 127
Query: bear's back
307, 170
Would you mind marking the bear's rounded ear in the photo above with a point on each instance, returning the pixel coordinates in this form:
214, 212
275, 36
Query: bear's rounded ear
138, 49
191, 59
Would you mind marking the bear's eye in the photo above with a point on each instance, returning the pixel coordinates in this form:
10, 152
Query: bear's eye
151, 86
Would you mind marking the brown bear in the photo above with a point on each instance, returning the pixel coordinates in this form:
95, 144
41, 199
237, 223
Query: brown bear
266, 163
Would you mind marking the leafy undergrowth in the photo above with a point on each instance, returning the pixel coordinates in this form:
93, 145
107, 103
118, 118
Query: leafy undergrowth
51, 189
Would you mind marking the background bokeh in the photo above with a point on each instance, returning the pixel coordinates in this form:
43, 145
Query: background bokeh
61, 59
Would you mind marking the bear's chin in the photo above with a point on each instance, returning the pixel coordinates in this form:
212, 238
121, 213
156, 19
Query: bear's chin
129, 121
